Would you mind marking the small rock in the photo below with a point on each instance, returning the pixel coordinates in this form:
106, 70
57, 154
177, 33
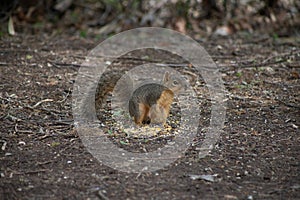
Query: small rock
210, 178
21, 143
270, 70
223, 31
295, 126
230, 197
8, 154
250, 197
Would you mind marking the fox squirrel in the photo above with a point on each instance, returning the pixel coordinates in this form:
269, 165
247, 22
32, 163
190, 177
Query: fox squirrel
151, 102
148, 103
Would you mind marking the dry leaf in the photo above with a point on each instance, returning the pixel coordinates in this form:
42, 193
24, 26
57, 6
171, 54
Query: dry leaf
11, 29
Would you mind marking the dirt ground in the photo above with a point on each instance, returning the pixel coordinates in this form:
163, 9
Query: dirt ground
256, 157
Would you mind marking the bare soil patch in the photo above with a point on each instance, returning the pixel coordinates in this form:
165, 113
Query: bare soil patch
257, 156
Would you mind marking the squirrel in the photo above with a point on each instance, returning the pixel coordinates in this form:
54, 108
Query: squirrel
148, 103
151, 102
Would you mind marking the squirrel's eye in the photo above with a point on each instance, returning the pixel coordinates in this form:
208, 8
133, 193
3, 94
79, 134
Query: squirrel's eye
175, 82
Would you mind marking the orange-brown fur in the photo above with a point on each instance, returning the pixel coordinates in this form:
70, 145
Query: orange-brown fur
160, 114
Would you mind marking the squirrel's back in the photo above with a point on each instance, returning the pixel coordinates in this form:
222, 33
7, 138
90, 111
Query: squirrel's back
148, 93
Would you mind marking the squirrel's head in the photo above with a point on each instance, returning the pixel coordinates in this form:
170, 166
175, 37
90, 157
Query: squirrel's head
176, 83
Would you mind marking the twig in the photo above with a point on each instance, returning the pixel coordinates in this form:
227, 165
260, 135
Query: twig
238, 65
69, 123
263, 63
171, 64
44, 163
17, 50
101, 195
33, 172
64, 64
22, 131
3, 145
280, 56
65, 98
42, 101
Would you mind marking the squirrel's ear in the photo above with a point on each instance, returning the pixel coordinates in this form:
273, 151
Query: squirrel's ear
166, 77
